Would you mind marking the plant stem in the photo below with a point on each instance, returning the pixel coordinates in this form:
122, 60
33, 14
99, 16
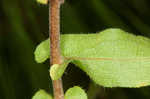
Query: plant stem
54, 32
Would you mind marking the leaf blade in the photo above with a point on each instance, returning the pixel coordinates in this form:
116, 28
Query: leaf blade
57, 70
75, 93
42, 52
112, 58
41, 94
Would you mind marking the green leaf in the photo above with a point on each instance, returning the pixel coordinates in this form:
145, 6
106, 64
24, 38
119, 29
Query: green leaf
56, 70
42, 1
42, 51
112, 58
41, 94
75, 93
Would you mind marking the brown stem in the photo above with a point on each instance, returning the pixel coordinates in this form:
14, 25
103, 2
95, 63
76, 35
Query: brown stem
54, 32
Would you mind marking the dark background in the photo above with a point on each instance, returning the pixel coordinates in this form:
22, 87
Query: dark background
24, 24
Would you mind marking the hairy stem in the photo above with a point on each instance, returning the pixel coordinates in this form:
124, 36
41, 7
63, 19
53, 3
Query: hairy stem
54, 32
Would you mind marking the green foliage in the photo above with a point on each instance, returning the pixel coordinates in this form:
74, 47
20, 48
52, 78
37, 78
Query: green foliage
41, 94
57, 70
42, 51
112, 58
42, 1
75, 93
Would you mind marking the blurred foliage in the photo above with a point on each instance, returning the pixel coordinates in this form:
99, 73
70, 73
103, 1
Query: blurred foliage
23, 24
